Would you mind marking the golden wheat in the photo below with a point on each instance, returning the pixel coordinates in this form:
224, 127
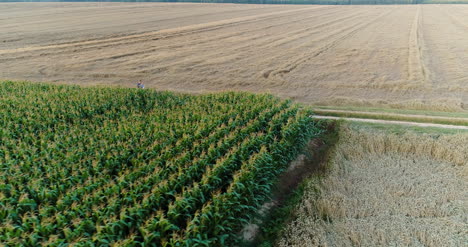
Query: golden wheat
387, 190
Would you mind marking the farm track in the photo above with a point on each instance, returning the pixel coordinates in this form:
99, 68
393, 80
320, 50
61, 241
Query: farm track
358, 55
390, 114
404, 123
446, 122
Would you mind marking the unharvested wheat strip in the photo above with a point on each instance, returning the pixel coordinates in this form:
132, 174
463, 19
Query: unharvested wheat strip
444, 126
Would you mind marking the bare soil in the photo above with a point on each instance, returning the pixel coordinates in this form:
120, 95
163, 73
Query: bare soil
406, 56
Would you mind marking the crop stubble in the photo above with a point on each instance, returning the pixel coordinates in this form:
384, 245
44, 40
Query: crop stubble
398, 56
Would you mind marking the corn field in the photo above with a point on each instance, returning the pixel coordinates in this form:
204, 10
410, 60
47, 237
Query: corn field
126, 167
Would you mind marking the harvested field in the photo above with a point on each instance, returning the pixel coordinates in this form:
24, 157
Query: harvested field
387, 190
393, 56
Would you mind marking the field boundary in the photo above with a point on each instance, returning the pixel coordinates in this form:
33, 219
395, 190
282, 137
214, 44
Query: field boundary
416, 118
381, 121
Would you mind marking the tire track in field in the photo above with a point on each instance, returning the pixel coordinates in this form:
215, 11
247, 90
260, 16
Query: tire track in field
279, 73
306, 46
268, 43
191, 32
114, 42
417, 72
212, 38
162, 34
250, 44
305, 32
182, 55
263, 43
148, 16
287, 68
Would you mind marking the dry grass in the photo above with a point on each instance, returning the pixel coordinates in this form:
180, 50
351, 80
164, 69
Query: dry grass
388, 190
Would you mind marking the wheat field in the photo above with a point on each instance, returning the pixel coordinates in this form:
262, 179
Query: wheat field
407, 56
387, 190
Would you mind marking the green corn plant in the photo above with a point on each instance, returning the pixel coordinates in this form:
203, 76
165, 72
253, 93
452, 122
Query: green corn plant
113, 166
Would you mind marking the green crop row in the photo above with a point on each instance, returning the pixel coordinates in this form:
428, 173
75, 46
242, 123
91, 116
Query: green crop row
114, 166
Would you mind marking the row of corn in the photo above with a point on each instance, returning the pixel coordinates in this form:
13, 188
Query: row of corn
111, 166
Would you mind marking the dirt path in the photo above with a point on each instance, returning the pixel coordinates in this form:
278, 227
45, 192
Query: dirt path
444, 126
321, 111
